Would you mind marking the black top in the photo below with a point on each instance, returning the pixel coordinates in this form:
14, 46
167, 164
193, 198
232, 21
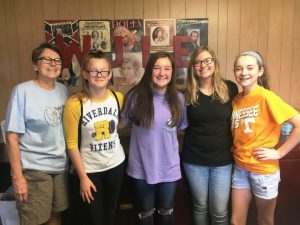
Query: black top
207, 140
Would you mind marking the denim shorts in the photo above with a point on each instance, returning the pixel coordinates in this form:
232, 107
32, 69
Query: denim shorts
264, 186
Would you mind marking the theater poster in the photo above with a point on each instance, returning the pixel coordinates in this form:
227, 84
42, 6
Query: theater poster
99, 31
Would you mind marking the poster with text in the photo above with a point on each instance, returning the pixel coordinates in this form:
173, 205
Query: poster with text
99, 31
131, 31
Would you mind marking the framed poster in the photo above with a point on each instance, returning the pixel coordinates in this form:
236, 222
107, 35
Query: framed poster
99, 30
161, 32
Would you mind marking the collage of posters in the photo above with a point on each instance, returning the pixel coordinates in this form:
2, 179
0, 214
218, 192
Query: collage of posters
102, 35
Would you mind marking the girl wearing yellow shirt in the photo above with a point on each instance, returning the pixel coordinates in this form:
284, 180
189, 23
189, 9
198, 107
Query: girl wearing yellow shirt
94, 147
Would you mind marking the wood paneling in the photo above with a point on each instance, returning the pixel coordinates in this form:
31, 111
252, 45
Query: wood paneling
249, 25
138, 9
24, 40
50, 10
5, 73
177, 9
274, 43
86, 9
295, 78
96, 6
222, 34
151, 9
195, 9
213, 22
12, 45
269, 26
164, 9
107, 9
36, 16
68, 9
263, 26
233, 34
123, 9
287, 49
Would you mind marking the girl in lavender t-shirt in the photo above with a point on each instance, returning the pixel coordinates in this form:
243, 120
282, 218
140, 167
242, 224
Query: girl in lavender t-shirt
155, 110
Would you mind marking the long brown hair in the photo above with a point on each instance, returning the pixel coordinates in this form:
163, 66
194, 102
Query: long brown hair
140, 97
220, 89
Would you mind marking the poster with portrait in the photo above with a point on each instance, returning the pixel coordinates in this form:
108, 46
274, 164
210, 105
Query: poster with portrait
131, 70
197, 31
68, 29
161, 32
99, 31
131, 31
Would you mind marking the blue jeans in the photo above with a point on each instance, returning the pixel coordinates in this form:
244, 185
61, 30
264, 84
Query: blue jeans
210, 188
149, 197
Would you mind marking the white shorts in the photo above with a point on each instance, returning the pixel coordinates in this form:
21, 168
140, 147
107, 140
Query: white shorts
264, 186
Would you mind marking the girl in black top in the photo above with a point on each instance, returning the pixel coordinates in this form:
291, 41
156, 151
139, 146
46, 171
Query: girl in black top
207, 159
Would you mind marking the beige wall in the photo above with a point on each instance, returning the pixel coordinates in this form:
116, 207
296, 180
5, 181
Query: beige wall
269, 26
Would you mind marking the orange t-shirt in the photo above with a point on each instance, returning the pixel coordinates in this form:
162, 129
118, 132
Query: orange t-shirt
256, 122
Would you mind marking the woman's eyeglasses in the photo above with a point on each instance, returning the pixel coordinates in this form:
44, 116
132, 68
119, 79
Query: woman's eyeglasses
206, 61
48, 60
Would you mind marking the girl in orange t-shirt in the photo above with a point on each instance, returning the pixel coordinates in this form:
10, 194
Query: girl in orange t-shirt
256, 122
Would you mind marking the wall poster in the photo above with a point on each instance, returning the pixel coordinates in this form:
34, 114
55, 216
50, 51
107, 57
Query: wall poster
128, 42
130, 70
99, 31
197, 31
161, 32
68, 29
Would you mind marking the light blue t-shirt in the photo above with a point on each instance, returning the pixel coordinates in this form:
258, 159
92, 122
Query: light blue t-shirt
36, 114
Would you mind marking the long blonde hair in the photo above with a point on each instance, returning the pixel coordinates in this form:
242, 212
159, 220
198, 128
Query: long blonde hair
220, 89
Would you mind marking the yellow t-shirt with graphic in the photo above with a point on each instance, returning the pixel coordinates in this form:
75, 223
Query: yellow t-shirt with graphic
256, 122
100, 148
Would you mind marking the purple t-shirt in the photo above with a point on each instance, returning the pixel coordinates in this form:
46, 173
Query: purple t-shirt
154, 153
